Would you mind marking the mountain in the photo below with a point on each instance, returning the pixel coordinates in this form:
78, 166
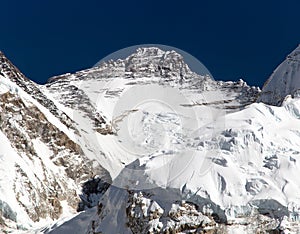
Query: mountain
146, 145
284, 81
42, 164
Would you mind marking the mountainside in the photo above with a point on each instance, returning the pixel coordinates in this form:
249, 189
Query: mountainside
42, 164
145, 145
96, 93
284, 81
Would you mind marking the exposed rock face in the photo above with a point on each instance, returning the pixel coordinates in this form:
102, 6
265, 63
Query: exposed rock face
147, 216
143, 214
22, 125
43, 166
7, 69
92, 191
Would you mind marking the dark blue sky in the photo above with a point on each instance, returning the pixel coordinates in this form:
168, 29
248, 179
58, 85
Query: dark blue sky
233, 39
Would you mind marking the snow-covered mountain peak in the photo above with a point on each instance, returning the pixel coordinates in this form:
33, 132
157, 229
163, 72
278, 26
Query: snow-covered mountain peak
97, 96
153, 53
8, 70
184, 151
149, 61
152, 59
148, 51
284, 81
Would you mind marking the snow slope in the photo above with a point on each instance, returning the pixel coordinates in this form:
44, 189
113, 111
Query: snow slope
233, 162
246, 169
42, 166
284, 81
186, 153
115, 88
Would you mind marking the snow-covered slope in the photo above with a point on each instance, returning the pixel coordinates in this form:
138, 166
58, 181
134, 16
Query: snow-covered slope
42, 165
284, 81
234, 163
244, 175
96, 93
186, 153
248, 168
